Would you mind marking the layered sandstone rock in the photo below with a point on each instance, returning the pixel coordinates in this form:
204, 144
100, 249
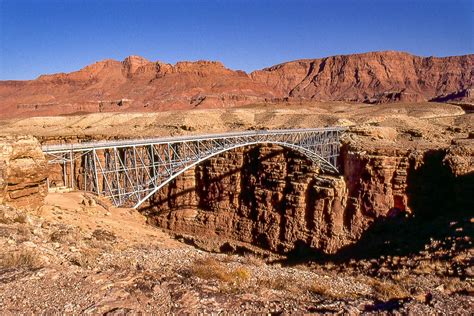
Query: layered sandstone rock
23, 172
146, 85
377, 77
274, 199
277, 200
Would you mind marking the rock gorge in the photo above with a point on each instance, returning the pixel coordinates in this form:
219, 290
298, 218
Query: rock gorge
272, 199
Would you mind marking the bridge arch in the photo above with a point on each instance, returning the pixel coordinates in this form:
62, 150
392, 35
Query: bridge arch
315, 158
130, 171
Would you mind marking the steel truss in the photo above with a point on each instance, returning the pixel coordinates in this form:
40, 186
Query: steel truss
131, 171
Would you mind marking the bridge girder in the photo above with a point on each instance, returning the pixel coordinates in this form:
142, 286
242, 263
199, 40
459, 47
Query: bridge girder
133, 170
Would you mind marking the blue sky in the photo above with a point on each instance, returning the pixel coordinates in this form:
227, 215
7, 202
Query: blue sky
48, 36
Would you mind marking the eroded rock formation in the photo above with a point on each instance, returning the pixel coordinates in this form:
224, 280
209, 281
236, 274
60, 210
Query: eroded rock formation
276, 200
23, 173
263, 196
145, 85
376, 77
137, 84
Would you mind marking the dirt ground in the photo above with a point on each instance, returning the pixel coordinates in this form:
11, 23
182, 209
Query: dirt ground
86, 215
432, 118
78, 254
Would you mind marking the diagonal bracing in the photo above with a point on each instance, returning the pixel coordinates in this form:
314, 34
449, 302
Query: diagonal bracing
130, 171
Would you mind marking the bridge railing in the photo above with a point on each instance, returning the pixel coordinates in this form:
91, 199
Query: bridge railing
132, 170
57, 148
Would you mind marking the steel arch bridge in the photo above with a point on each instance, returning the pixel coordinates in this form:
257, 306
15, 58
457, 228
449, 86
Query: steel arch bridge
130, 171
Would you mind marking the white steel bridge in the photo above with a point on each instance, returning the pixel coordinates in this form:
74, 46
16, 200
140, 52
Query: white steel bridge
130, 171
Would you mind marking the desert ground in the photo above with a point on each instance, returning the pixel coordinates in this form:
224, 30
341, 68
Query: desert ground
79, 254
434, 119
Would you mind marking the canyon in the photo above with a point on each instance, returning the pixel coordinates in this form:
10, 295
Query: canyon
139, 85
275, 200
266, 199
391, 232
255, 229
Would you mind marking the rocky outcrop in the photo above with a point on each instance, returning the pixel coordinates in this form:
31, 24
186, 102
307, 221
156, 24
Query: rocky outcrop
262, 196
460, 158
277, 200
23, 173
377, 77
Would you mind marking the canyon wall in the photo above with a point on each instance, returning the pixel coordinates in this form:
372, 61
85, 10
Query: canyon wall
23, 173
275, 199
271, 198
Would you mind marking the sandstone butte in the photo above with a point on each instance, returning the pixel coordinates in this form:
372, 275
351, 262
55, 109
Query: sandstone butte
138, 85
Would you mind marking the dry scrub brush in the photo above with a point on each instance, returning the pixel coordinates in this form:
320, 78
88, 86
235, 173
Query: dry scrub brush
387, 290
21, 259
210, 269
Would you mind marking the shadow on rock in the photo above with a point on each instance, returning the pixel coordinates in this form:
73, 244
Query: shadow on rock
441, 205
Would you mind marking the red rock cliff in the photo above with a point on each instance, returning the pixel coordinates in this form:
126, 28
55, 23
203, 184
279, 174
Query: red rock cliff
371, 77
137, 84
276, 200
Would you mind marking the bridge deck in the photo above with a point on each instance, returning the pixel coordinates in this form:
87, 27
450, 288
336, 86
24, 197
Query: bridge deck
130, 171
178, 139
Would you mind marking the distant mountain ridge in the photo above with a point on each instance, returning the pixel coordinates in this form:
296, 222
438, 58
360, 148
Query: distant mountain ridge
137, 84
371, 77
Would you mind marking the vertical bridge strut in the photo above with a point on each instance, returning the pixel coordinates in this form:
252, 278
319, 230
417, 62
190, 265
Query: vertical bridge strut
130, 171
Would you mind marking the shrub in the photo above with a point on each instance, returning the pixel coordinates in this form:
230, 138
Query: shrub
320, 289
211, 269
386, 290
240, 275
87, 258
21, 259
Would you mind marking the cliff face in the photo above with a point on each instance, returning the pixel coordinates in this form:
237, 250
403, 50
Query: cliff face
373, 77
276, 200
23, 173
262, 196
136, 84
